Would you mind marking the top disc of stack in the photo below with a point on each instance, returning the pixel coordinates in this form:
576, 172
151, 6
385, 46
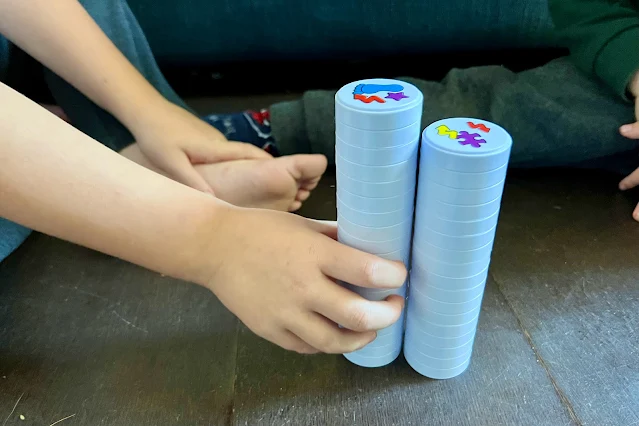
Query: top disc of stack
465, 145
378, 104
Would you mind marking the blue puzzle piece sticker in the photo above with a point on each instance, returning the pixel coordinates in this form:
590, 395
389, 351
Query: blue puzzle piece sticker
371, 89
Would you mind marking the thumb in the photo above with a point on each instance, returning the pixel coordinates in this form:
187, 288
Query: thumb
631, 131
635, 213
630, 181
230, 151
178, 166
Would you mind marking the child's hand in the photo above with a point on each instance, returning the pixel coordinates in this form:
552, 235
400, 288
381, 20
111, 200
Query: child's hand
276, 272
629, 182
632, 130
174, 140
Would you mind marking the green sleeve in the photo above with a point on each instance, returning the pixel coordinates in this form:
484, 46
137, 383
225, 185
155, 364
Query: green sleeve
603, 38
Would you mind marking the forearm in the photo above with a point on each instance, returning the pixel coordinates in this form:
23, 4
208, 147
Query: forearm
59, 181
65, 38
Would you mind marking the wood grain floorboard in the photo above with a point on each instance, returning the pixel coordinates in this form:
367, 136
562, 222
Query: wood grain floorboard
565, 258
82, 333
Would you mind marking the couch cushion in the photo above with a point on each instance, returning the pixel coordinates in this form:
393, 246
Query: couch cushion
222, 31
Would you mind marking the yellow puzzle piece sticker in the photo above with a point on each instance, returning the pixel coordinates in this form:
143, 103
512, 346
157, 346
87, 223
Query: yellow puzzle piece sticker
445, 131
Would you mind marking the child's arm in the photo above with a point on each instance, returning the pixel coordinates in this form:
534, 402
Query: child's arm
603, 38
62, 36
273, 270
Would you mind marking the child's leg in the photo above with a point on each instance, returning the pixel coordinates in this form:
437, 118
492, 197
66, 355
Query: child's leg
118, 22
556, 115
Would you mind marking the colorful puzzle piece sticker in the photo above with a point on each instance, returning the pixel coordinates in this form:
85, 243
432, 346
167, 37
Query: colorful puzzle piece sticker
480, 126
445, 131
367, 93
371, 89
472, 139
396, 96
368, 99
463, 137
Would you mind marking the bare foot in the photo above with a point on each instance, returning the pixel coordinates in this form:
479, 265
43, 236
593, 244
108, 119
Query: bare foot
279, 184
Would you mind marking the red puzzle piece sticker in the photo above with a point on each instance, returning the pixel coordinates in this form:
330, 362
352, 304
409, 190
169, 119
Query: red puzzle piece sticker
480, 126
369, 99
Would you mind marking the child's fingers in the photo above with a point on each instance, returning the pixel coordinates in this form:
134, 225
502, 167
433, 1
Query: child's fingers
356, 267
211, 152
291, 342
630, 181
286, 340
239, 151
630, 131
352, 311
635, 214
326, 336
177, 164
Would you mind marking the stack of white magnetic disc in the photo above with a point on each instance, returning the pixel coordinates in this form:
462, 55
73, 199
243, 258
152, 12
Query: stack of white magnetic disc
378, 125
463, 164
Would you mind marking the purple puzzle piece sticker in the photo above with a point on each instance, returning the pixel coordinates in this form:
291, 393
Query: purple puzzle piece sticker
472, 139
397, 96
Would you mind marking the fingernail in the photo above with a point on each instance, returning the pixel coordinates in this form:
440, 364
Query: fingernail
622, 186
388, 274
625, 128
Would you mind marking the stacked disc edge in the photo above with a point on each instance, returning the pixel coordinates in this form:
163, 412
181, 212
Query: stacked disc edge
462, 169
378, 124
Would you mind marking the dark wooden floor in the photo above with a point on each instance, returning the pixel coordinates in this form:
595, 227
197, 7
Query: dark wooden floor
87, 335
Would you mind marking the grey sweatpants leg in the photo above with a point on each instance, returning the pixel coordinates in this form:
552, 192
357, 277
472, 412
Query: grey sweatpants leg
120, 25
556, 115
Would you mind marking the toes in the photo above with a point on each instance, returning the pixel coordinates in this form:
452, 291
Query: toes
310, 184
302, 195
308, 168
295, 206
